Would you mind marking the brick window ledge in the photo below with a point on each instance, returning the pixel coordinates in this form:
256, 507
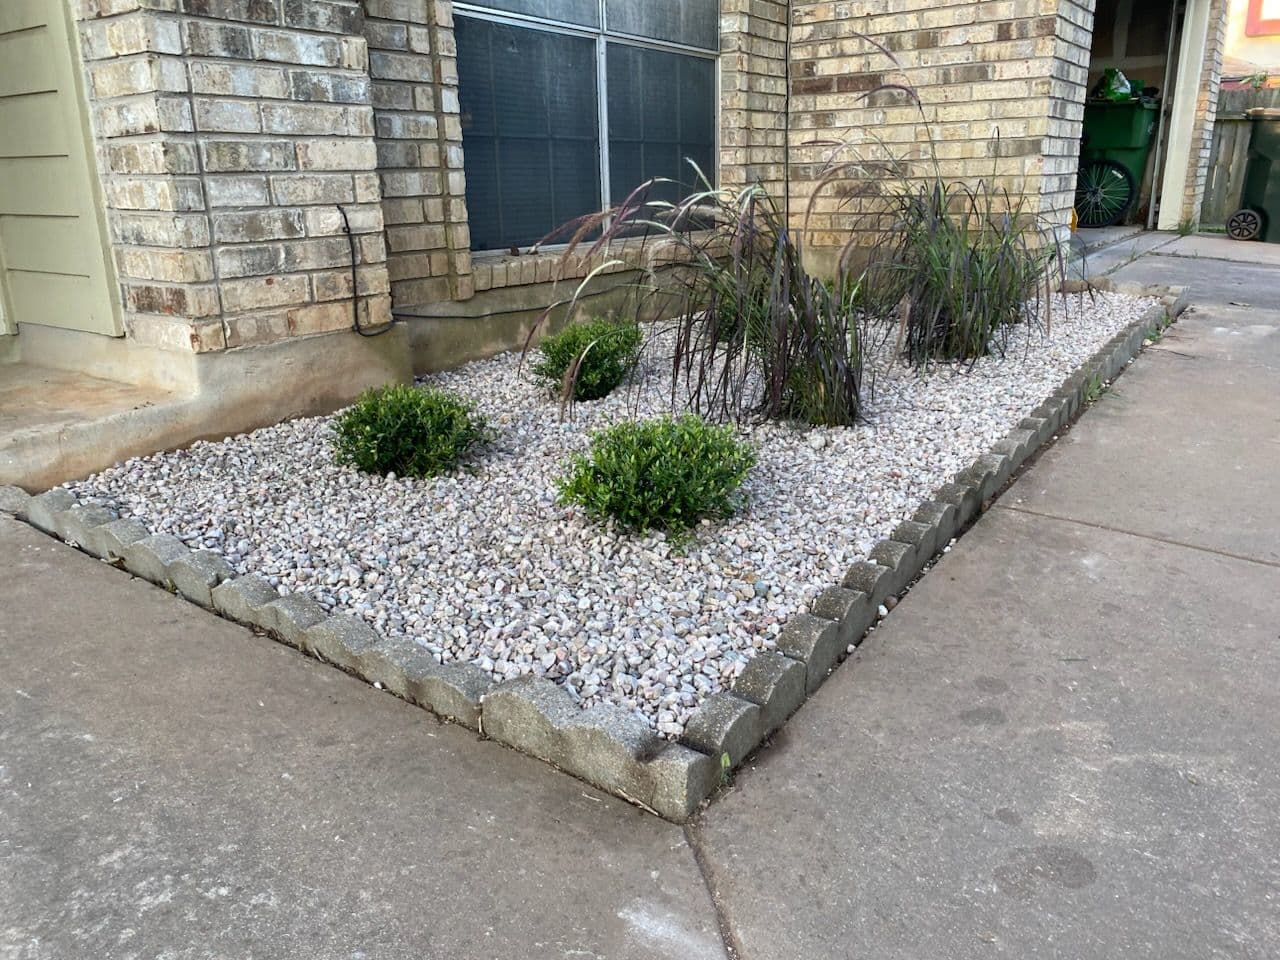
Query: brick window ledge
495, 269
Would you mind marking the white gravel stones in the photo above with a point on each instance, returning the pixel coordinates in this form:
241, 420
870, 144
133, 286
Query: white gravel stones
486, 567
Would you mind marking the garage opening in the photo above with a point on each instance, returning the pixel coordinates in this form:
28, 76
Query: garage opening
1131, 86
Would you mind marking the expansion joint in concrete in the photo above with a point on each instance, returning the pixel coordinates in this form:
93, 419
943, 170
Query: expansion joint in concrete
693, 837
1169, 541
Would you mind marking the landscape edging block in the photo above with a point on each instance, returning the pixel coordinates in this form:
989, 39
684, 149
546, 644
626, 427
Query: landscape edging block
776, 684
386, 664
455, 691
110, 541
340, 639
922, 536
725, 726
814, 642
530, 714
682, 779
1119, 357
43, 511
1018, 445
605, 745
78, 525
239, 599
290, 617
964, 497
850, 610
1041, 428
195, 575
942, 518
900, 559
610, 747
14, 500
999, 466
149, 558
870, 579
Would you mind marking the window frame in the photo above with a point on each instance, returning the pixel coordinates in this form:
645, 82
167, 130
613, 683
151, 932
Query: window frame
603, 37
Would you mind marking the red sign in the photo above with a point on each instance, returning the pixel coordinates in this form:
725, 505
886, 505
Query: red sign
1262, 19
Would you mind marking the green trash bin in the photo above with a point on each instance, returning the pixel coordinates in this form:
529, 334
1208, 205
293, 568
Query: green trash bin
1259, 215
1113, 158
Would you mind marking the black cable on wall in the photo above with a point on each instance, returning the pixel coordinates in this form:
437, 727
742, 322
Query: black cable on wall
355, 280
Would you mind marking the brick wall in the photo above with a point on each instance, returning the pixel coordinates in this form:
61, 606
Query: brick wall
228, 131
753, 98
1068, 87
1000, 84
418, 134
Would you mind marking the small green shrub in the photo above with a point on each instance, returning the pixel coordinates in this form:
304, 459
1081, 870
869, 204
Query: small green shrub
666, 473
597, 354
408, 431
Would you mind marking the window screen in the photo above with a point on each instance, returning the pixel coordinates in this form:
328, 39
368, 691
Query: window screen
585, 12
694, 23
531, 108
661, 114
530, 130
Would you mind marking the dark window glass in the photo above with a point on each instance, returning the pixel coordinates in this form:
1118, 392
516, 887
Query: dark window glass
585, 12
530, 130
694, 23
661, 114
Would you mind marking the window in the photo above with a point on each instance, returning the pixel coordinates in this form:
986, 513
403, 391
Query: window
569, 105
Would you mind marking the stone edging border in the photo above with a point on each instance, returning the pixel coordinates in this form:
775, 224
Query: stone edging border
606, 746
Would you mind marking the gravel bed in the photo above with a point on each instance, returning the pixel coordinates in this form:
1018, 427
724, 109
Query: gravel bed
486, 567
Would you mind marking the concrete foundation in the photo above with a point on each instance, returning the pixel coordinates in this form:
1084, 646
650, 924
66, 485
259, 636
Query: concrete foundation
58, 425
447, 334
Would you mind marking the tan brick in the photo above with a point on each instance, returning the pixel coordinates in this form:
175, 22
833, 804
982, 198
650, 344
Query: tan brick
257, 328
167, 333
319, 318
236, 156
238, 80
309, 188
257, 225
242, 296
171, 266
171, 300
227, 116
350, 154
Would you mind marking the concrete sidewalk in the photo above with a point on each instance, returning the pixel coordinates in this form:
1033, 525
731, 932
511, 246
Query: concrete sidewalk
173, 786
1060, 744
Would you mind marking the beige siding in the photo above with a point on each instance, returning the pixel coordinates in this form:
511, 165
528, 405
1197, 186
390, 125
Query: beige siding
54, 266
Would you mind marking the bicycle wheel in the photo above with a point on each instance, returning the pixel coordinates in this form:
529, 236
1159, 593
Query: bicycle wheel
1104, 193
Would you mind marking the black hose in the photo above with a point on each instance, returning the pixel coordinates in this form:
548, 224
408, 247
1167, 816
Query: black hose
355, 281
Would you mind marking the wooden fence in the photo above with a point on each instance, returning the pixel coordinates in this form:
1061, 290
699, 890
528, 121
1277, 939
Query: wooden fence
1230, 155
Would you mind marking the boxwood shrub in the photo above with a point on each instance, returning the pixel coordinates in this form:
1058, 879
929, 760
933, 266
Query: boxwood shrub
408, 431
666, 474
612, 347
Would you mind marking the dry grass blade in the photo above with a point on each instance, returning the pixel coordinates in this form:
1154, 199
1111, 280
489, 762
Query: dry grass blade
569, 383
